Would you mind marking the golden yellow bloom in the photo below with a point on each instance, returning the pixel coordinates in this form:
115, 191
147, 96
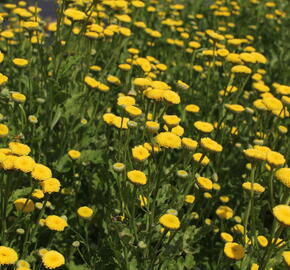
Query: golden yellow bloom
227, 237
168, 140
171, 120
85, 212
52, 259
38, 194
204, 183
18, 97
19, 149
201, 158
4, 130
262, 240
192, 108
282, 214
133, 111
204, 127
75, 14
236, 108
20, 62
55, 223
234, 251
275, 159
140, 153
255, 186
189, 143
7, 255
241, 69
74, 154
171, 97
50, 185
189, 199
286, 256
170, 221
41, 172
126, 101
210, 145
137, 177
121, 122
24, 204
152, 126
283, 175
143, 201
224, 212
24, 163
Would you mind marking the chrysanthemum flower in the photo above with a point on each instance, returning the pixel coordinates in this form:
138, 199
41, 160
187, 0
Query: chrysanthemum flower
74, 154
7, 255
41, 172
283, 175
55, 223
137, 177
168, 140
210, 145
140, 153
234, 251
224, 212
170, 221
24, 163
282, 214
50, 185
19, 149
53, 259
24, 204
85, 212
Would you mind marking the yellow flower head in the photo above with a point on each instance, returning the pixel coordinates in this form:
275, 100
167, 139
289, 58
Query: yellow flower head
168, 140
19, 149
137, 177
85, 212
41, 172
201, 158
210, 145
24, 163
7, 256
224, 212
204, 127
170, 221
234, 251
282, 214
55, 223
140, 153
52, 259
50, 185
74, 154
204, 183
283, 175
24, 204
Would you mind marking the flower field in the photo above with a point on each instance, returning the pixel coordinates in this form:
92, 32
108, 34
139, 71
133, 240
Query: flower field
145, 135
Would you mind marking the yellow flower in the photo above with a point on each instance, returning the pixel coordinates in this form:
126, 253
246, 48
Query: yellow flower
126, 101
118, 167
140, 153
224, 212
189, 199
189, 143
170, 221
133, 111
74, 154
55, 223
24, 163
171, 120
241, 69
255, 186
171, 97
201, 158
7, 255
41, 172
37, 193
262, 240
210, 145
50, 185
113, 79
143, 200
91, 82
275, 159
192, 108
18, 97
75, 14
19, 148
24, 204
137, 177
236, 108
282, 214
4, 130
283, 175
203, 126
20, 62
53, 259
255, 154
152, 126
204, 183
85, 212
121, 122
227, 237
168, 140
234, 251
286, 256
